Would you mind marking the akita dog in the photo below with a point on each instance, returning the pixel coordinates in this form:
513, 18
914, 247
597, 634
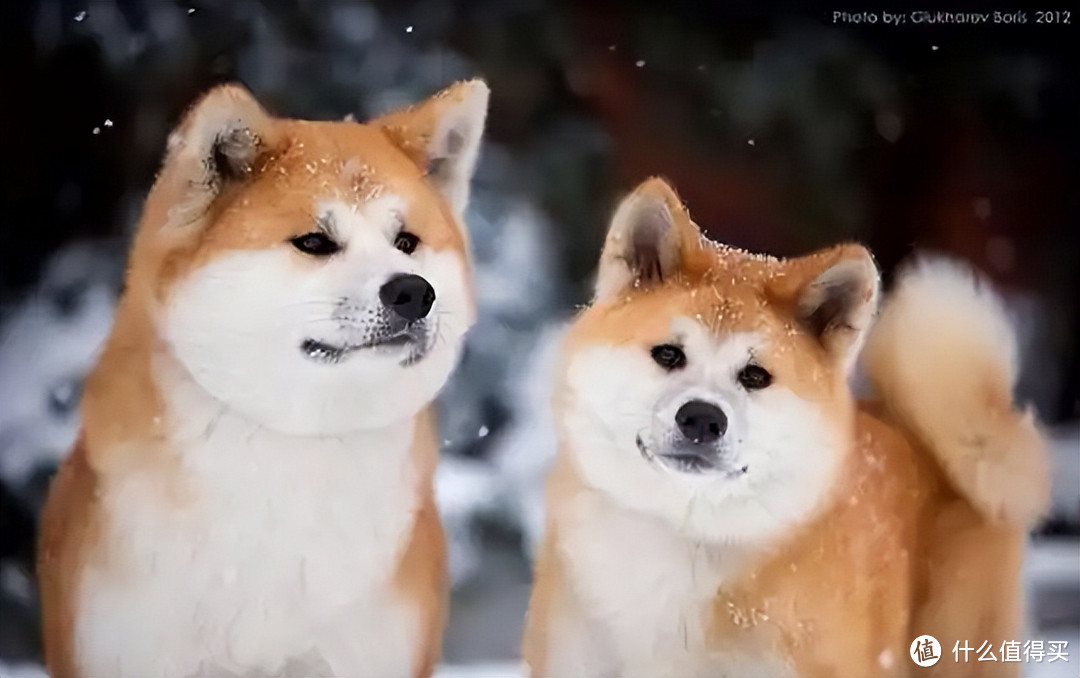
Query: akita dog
721, 506
251, 492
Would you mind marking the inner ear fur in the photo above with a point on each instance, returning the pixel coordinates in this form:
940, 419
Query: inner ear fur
442, 136
646, 240
217, 144
833, 295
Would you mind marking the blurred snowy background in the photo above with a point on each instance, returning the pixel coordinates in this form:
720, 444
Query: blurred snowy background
782, 130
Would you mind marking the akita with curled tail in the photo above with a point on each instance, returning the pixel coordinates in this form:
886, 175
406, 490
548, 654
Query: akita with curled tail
251, 492
721, 506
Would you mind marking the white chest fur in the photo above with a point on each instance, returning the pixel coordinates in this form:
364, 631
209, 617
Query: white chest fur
650, 590
271, 555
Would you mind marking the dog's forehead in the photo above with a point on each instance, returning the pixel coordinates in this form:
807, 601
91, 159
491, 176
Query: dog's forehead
356, 167
697, 335
352, 157
718, 263
341, 214
729, 290
719, 308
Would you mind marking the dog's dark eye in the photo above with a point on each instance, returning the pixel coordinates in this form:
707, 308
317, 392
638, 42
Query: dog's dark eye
406, 242
754, 377
316, 244
669, 356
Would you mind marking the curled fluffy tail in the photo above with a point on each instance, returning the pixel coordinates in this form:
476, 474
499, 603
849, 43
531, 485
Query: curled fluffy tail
942, 355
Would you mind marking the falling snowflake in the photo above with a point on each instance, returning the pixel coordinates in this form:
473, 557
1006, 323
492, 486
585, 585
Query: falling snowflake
934, 47
408, 29
885, 659
108, 123
484, 431
191, 10
81, 16
639, 63
97, 130
750, 141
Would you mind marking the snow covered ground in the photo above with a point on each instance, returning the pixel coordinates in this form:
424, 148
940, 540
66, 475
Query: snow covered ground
1057, 669
495, 670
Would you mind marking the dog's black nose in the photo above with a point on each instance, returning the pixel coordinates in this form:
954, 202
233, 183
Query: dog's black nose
407, 295
701, 422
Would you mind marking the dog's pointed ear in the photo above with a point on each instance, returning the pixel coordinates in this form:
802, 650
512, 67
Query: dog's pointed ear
834, 297
218, 143
442, 135
646, 240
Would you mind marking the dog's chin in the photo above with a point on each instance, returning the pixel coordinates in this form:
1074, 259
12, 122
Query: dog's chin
407, 348
690, 464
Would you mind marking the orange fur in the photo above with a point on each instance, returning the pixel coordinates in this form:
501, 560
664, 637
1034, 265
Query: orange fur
421, 573
69, 530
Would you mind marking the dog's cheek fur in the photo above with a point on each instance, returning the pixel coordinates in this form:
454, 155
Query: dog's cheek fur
793, 452
243, 347
611, 394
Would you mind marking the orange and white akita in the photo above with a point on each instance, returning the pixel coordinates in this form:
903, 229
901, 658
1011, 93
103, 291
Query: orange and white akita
721, 506
251, 492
